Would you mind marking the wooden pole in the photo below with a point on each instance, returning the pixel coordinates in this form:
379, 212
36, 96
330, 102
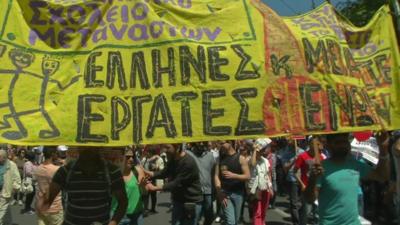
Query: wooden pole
315, 144
395, 8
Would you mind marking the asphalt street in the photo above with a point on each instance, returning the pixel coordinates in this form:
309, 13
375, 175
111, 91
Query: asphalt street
277, 216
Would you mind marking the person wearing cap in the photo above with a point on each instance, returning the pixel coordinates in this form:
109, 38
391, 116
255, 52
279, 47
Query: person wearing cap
335, 181
304, 164
134, 211
43, 175
260, 184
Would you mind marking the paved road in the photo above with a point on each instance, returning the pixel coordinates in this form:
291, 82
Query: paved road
278, 216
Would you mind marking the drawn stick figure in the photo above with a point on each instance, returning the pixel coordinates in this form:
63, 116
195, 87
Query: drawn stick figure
50, 65
21, 60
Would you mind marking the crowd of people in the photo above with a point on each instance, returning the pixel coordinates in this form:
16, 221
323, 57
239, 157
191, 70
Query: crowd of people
326, 184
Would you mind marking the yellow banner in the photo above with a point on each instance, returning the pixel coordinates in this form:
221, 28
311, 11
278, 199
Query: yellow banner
117, 72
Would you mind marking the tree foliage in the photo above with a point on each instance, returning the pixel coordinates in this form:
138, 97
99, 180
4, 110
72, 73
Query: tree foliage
360, 12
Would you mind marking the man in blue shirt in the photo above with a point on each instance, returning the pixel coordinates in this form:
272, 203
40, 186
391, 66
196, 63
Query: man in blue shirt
335, 182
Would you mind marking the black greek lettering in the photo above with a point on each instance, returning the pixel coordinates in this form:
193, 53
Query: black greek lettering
310, 107
85, 117
245, 126
242, 74
90, 71
215, 62
158, 70
139, 68
184, 98
160, 106
313, 57
187, 59
116, 125
209, 114
115, 67
137, 112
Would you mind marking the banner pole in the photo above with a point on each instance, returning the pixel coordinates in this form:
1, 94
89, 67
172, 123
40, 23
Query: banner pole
395, 8
317, 159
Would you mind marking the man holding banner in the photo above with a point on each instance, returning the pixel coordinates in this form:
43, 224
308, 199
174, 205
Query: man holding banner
304, 163
335, 182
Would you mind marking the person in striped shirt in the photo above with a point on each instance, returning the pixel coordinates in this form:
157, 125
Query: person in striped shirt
89, 183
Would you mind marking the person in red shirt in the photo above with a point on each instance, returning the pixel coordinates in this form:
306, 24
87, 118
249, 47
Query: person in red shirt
304, 163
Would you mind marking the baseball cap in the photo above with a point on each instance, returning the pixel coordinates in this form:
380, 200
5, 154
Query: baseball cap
263, 142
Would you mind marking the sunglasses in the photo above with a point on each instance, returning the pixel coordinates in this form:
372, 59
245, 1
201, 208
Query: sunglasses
129, 156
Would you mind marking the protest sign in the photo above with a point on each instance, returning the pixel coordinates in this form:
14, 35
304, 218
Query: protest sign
114, 73
369, 149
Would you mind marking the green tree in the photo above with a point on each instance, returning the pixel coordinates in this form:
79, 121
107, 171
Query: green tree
360, 12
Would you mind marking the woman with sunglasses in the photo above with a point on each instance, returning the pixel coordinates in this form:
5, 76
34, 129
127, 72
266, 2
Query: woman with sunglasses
134, 212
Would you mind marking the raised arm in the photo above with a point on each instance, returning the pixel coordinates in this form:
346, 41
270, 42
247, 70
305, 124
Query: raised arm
61, 87
253, 160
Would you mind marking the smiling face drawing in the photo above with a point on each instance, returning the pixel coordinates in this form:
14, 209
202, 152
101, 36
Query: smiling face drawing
50, 65
21, 59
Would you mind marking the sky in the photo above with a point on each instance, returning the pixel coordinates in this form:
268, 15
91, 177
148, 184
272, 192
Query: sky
294, 7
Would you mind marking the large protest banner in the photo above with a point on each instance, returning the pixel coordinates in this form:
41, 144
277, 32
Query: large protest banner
117, 72
335, 77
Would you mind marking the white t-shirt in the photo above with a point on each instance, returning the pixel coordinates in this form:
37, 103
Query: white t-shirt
260, 176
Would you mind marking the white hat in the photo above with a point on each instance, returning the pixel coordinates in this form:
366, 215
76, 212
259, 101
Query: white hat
62, 148
263, 142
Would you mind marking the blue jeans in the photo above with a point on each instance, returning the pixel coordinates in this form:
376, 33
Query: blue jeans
305, 210
207, 209
232, 211
180, 217
132, 219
